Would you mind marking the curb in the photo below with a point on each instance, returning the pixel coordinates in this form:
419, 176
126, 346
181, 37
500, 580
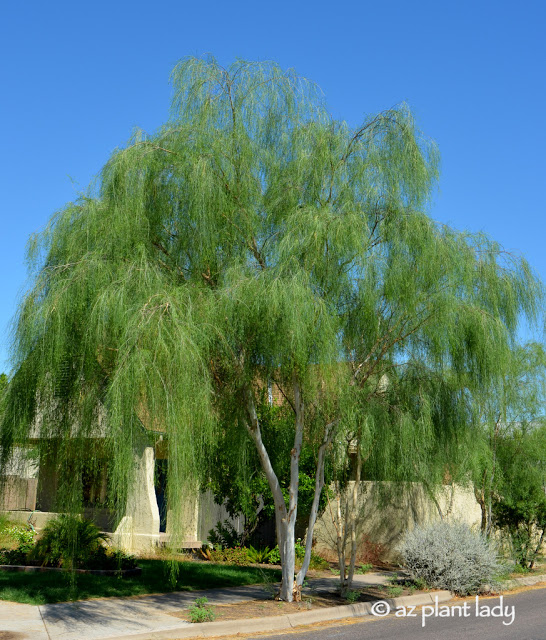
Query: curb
280, 623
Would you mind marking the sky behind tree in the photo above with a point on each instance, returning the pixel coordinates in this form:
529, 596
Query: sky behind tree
77, 78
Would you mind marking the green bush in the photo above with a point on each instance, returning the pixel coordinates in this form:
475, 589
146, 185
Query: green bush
237, 555
364, 568
17, 541
201, 611
258, 556
275, 555
352, 596
450, 556
70, 541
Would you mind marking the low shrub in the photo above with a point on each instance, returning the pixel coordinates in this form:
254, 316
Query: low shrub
363, 568
275, 555
450, 556
70, 541
370, 552
352, 596
236, 555
201, 611
17, 542
258, 556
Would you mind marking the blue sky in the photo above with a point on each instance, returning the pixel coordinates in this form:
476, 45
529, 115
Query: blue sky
77, 77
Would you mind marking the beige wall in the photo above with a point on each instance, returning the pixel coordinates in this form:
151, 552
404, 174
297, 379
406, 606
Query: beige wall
388, 510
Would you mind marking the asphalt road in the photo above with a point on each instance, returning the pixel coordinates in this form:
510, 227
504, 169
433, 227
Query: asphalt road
523, 617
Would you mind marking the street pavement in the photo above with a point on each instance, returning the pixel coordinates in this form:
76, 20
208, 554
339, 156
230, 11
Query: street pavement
147, 617
528, 623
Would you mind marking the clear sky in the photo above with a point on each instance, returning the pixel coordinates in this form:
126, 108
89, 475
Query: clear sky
76, 77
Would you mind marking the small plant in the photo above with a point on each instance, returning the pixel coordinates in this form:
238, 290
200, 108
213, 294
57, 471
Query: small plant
370, 552
236, 555
517, 568
364, 568
275, 555
70, 541
352, 596
414, 585
450, 556
336, 572
258, 556
299, 549
17, 536
201, 611
394, 592
317, 562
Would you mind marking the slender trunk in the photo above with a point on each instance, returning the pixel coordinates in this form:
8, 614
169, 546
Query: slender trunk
537, 550
491, 479
449, 510
319, 484
341, 536
354, 516
285, 520
480, 499
293, 491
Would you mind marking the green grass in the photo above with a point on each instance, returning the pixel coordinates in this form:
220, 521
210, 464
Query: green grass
43, 588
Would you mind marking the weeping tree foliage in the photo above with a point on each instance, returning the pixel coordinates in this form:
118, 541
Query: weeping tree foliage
519, 504
253, 239
415, 425
513, 403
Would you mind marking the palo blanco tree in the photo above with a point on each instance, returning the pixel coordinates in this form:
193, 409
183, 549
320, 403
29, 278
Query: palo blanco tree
253, 239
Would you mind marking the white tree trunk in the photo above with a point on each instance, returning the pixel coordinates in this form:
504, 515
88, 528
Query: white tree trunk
319, 484
354, 517
285, 519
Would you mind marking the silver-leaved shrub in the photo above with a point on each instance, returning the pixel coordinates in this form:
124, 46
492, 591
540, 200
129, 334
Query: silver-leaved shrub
450, 555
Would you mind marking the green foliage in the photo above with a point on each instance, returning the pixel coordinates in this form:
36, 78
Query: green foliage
299, 549
70, 542
394, 591
363, 568
450, 556
520, 506
16, 542
511, 403
254, 238
201, 611
317, 562
18, 534
237, 480
42, 588
275, 555
224, 534
236, 555
258, 556
3, 383
352, 596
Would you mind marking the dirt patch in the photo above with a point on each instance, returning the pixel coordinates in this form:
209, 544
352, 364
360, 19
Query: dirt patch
266, 608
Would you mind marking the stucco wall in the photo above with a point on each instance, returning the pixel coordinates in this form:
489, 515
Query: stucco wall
388, 510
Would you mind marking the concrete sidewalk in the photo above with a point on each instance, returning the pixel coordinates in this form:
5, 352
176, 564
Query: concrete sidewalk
110, 617
146, 617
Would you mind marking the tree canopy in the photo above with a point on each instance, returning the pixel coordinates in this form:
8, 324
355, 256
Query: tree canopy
255, 238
